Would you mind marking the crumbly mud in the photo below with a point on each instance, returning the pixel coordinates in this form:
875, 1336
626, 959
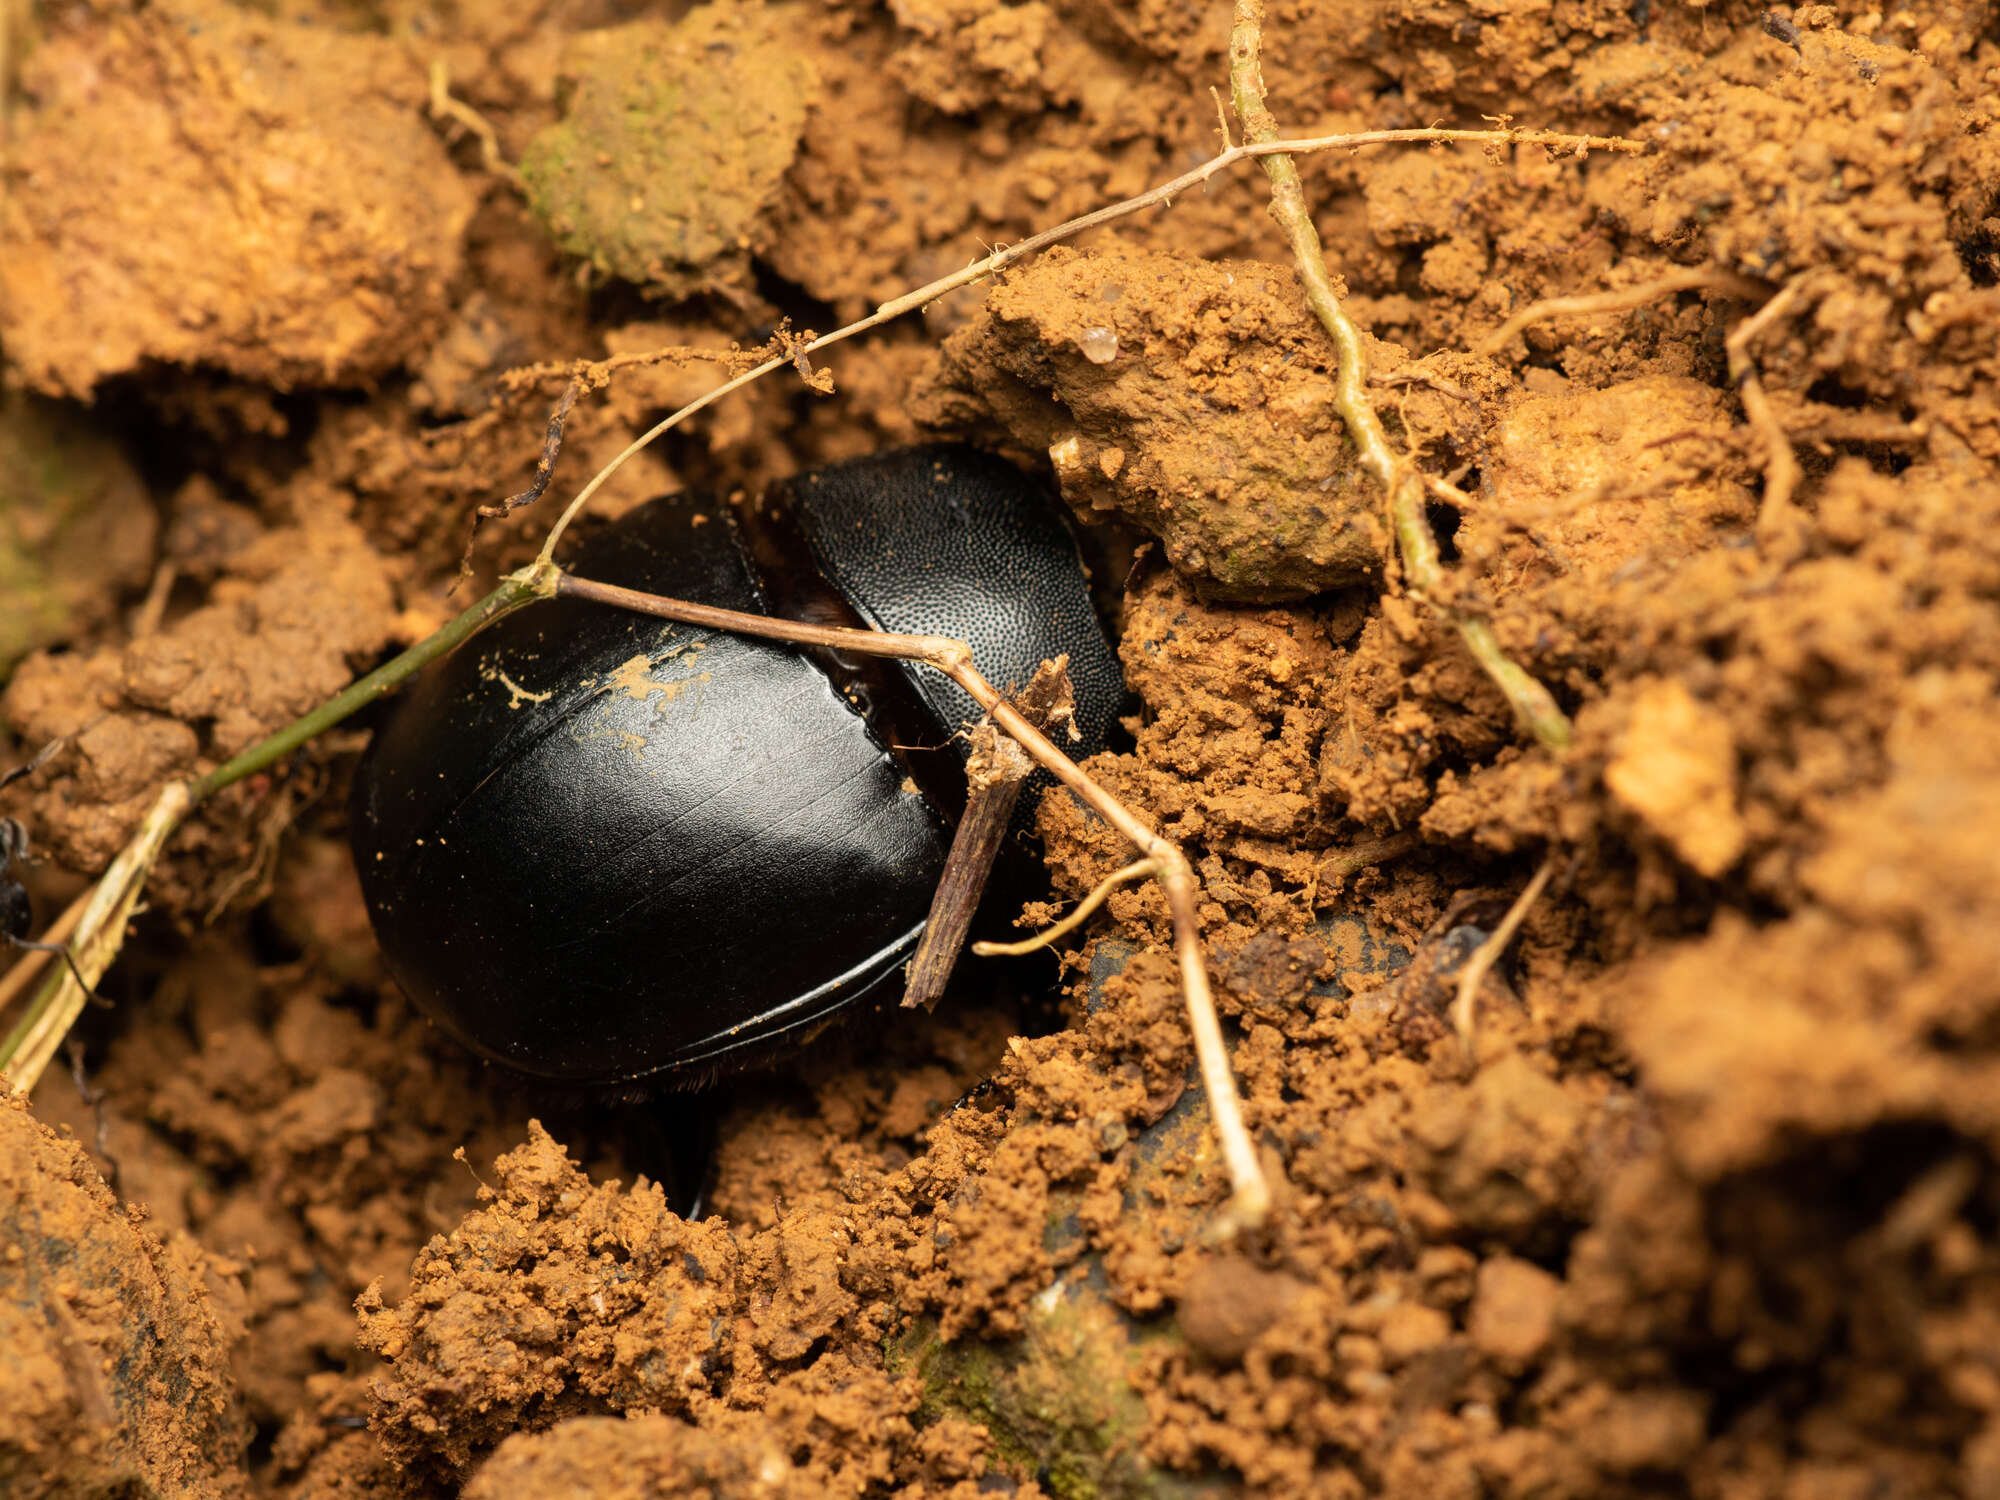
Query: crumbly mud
1710, 1211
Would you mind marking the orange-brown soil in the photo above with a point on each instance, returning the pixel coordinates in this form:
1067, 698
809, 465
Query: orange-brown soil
1713, 1209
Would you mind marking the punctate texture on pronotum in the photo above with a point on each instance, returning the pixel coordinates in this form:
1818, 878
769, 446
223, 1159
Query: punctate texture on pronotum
598, 847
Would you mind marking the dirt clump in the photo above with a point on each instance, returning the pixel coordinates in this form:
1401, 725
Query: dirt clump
598, 1266
298, 1137
293, 612
115, 1341
153, 135
1192, 397
674, 139
562, 1298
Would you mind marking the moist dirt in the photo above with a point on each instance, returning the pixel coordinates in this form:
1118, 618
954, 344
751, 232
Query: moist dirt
1711, 1209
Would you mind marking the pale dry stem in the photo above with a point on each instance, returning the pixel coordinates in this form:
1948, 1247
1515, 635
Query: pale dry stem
1250, 1198
100, 926
31, 961
1006, 256
1532, 704
108, 906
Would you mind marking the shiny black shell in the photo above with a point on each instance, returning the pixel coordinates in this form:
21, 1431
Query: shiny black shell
598, 847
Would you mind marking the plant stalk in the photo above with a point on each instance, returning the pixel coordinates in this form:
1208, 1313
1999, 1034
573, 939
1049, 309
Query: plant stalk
37, 1037
1533, 706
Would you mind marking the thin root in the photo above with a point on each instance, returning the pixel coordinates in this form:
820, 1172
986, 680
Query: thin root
1341, 863
444, 107
1781, 465
1624, 299
1465, 1007
1137, 870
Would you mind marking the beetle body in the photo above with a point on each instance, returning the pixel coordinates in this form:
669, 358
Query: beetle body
600, 848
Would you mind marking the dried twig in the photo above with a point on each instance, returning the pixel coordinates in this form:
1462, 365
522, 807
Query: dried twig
995, 773
545, 466
108, 906
1417, 547
1624, 299
580, 377
29, 964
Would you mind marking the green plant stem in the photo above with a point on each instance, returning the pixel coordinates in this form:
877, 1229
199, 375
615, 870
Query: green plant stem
35, 1039
1415, 544
513, 592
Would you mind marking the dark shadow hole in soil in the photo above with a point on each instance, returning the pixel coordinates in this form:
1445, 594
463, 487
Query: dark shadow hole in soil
612, 304
1544, 359
1119, 740
176, 423
1596, 1048
1829, 391
1979, 252
154, 446
151, 948
1882, 459
361, 1000
1409, 276
1548, 1244
1444, 521
1711, 351
270, 945
792, 300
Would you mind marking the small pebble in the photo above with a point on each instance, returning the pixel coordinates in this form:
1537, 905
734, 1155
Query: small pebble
1099, 345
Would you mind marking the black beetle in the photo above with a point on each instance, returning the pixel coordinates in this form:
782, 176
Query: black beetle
599, 848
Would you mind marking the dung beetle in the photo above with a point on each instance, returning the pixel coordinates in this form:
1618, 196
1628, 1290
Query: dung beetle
599, 848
